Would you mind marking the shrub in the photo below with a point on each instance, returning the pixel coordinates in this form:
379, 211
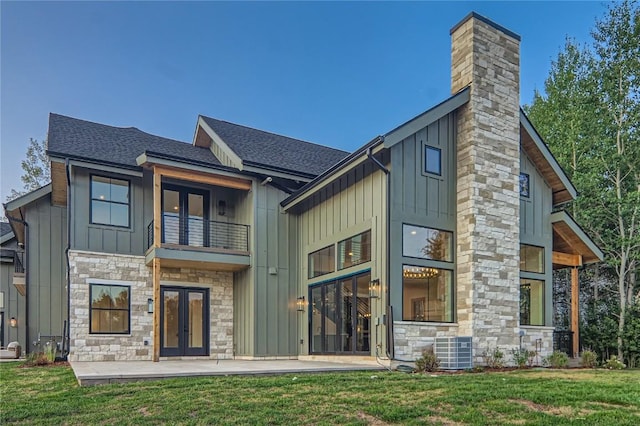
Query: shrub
614, 363
556, 360
427, 362
36, 359
493, 358
523, 357
589, 359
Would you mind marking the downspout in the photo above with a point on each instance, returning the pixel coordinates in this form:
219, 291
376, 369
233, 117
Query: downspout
67, 328
388, 311
26, 276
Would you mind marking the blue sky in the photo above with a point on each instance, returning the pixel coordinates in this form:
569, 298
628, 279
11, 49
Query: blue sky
337, 74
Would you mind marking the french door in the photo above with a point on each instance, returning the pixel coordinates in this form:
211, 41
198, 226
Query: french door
340, 316
184, 321
185, 214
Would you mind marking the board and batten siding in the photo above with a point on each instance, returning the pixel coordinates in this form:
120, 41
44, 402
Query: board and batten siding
420, 198
14, 302
47, 268
352, 204
535, 226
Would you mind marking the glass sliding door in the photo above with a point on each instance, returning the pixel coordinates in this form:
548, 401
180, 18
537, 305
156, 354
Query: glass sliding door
340, 316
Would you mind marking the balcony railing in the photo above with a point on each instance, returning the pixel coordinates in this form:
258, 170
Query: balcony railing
195, 232
18, 262
563, 341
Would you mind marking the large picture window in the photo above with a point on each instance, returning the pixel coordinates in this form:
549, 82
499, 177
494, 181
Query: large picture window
531, 302
322, 262
109, 201
427, 243
354, 250
427, 294
109, 309
531, 259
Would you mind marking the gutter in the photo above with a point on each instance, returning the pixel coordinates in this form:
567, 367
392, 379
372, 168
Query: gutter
26, 276
66, 331
388, 311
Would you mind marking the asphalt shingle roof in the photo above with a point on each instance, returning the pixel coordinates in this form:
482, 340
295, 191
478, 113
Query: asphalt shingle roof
5, 228
115, 145
269, 149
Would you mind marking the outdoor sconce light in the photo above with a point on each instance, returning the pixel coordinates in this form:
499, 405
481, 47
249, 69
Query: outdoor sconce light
300, 304
13, 322
222, 207
150, 306
374, 289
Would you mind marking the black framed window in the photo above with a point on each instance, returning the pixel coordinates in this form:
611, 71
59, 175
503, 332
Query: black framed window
524, 185
427, 294
110, 201
432, 160
427, 243
532, 258
322, 261
355, 250
109, 309
531, 302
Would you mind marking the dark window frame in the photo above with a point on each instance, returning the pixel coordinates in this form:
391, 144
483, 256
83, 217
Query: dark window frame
426, 162
528, 186
544, 266
337, 251
92, 199
91, 309
452, 289
309, 272
544, 301
451, 241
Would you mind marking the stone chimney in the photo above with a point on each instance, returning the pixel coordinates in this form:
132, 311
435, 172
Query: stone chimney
486, 57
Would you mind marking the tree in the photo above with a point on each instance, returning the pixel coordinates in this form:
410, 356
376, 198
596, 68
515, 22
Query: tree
36, 170
589, 116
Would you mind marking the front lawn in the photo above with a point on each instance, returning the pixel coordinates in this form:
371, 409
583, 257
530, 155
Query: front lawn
52, 396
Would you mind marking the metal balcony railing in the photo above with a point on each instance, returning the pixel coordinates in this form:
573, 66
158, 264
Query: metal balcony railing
196, 232
18, 262
563, 341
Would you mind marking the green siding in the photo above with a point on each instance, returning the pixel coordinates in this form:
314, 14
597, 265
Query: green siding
14, 303
46, 275
419, 198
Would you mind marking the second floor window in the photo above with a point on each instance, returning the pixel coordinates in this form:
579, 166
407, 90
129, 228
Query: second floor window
322, 261
354, 250
109, 201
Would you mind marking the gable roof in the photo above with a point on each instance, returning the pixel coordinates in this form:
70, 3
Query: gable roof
271, 151
13, 209
119, 146
569, 237
5, 228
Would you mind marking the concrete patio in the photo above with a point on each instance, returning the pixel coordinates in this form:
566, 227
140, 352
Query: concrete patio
97, 373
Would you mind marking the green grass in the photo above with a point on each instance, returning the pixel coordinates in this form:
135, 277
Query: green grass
52, 396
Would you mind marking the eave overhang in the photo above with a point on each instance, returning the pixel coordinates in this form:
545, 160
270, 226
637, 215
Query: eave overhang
539, 153
14, 210
569, 238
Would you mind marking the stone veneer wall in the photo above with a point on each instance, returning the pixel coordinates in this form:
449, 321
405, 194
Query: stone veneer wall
121, 269
488, 201
534, 334
411, 338
220, 285
87, 267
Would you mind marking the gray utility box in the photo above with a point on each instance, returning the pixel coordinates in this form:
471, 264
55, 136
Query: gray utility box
454, 353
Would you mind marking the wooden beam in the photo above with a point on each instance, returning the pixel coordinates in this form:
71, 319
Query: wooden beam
156, 310
58, 184
157, 208
209, 179
566, 259
575, 307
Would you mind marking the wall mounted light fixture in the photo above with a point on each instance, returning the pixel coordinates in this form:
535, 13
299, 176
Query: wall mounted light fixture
300, 304
150, 306
222, 207
13, 322
374, 289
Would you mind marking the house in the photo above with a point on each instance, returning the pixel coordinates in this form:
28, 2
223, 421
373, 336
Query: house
253, 245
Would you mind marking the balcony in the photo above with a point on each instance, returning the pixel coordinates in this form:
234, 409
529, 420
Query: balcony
197, 243
19, 278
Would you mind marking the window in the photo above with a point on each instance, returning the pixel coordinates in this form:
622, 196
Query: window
109, 309
427, 243
427, 294
531, 302
322, 262
109, 201
531, 259
432, 160
354, 250
524, 185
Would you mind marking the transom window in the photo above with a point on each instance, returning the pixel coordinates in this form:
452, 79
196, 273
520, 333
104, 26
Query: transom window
432, 160
109, 201
427, 243
531, 259
427, 294
524, 185
354, 250
109, 309
322, 262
